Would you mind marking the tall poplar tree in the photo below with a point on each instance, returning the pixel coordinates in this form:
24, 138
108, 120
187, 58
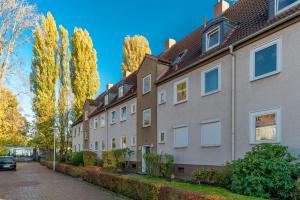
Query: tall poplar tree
134, 50
64, 90
43, 78
84, 75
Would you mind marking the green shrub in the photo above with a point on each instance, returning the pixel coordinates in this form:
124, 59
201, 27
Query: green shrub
77, 158
210, 177
89, 158
116, 159
3, 151
297, 193
158, 164
267, 171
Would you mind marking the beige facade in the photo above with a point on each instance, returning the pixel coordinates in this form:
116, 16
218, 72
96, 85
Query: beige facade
77, 137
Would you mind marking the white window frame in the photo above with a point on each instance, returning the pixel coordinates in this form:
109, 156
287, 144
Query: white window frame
121, 117
201, 132
252, 129
144, 111
86, 115
112, 143
91, 124
277, 11
159, 100
217, 29
95, 123
144, 91
175, 91
159, 137
177, 127
121, 91
102, 122
133, 108
203, 79
96, 142
278, 42
106, 99
111, 117
121, 142
102, 145
133, 144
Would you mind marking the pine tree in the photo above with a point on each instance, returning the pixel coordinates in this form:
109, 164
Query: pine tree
64, 90
134, 50
43, 78
84, 75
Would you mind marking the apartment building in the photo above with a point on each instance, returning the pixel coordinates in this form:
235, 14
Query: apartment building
229, 85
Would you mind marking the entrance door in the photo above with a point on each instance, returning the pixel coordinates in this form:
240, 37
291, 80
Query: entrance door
145, 149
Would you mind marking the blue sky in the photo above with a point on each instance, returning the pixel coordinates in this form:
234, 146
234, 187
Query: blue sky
108, 22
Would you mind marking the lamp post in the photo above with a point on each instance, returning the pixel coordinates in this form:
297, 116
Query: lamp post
54, 147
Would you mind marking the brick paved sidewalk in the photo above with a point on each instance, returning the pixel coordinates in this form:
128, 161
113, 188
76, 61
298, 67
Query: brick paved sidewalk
34, 182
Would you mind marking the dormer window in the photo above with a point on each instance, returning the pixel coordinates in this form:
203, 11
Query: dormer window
213, 38
121, 91
179, 57
282, 5
106, 100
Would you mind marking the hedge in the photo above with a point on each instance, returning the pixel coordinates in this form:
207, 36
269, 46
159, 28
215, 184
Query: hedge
129, 187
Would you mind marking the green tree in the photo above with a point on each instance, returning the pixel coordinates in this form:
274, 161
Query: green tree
84, 75
43, 78
134, 50
64, 90
12, 123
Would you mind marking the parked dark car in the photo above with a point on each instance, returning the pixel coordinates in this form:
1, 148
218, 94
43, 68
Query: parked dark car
8, 162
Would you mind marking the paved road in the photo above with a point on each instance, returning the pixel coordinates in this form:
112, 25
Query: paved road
34, 182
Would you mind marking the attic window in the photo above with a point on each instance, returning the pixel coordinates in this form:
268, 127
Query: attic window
121, 91
179, 57
282, 5
106, 100
213, 38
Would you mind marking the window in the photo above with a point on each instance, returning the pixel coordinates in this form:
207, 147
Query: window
265, 126
74, 131
91, 147
74, 148
121, 91
133, 108
211, 80
113, 143
213, 38
78, 147
95, 123
106, 100
79, 130
123, 113
265, 60
181, 91
181, 136
179, 57
86, 115
133, 141
161, 137
91, 124
161, 97
147, 118
211, 133
96, 146
113, 117
282, 5
147, 84
123, 142
102, 120
103, 145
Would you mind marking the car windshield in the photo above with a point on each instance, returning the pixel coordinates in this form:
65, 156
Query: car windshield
6, 159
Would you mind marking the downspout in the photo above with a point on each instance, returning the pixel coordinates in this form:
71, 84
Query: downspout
233, 63
106, 119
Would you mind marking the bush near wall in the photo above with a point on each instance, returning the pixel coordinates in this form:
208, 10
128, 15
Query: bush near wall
77, 159
129, 187
89, 158
210, 177
158, 164
116, 159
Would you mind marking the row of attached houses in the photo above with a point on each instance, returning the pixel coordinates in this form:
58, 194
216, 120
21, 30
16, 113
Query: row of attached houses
209, 98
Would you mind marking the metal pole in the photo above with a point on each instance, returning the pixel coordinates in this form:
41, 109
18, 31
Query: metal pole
54, 151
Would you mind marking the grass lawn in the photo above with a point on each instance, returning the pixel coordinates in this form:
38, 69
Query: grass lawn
204, 189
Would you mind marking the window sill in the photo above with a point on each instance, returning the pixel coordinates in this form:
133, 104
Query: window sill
144, 93
212, 145
264, 142
264, 76
162, 103
184, 147
180, 102
123, 120
161, 142
210, 93
146, 126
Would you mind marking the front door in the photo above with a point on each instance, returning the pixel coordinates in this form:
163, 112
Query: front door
145, 149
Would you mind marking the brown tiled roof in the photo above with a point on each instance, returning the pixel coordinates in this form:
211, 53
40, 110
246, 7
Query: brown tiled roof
249, 16
131, 79
79, 119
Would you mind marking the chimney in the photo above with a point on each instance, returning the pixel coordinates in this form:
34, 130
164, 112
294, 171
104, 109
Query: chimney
109, 85
169, 43
126, 74
221, 7
204, 21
